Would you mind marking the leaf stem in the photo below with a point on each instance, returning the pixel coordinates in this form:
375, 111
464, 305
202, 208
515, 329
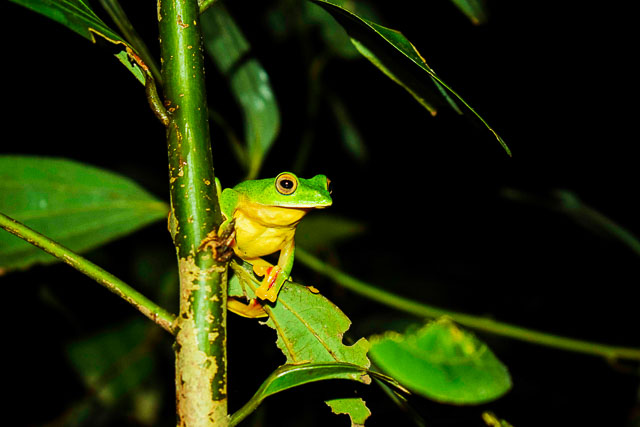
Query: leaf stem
106, 279
479, 323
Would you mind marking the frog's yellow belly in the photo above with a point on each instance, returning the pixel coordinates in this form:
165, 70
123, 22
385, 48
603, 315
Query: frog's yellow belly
255, 239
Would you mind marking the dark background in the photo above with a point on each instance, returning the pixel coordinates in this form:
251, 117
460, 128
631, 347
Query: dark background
556, 81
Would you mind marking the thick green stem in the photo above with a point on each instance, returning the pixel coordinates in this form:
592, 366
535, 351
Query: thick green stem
201, 339
482, 324
106, 279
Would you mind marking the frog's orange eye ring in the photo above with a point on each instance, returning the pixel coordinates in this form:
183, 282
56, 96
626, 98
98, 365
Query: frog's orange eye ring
329, 189
286, 183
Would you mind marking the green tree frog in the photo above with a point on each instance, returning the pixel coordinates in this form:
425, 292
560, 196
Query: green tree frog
266, 213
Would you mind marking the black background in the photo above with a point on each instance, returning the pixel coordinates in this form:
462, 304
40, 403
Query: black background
556, 81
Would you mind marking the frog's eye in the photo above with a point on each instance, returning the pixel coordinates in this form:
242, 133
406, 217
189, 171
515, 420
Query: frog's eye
286, 183
329, 185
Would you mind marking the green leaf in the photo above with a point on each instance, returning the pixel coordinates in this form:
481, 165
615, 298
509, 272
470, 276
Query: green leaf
442, 362
336, 40
394, 55
77, 16
250, 86
77, 205
289, 376
310, 329
473, 9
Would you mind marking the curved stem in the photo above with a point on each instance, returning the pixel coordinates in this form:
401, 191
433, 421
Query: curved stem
479, 323
106, 279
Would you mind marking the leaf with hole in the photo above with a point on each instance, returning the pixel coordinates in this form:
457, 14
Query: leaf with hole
442, 362
310, 329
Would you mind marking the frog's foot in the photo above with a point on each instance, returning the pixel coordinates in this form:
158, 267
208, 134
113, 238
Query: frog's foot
220, 243
252, 310
271, 284
260, 266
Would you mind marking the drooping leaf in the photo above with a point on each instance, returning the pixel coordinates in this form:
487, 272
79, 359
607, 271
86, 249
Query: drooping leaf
289, 376
230, 51
77, 205
310, 329
473, 9
336, 40
442, 362
77, 16
395, 55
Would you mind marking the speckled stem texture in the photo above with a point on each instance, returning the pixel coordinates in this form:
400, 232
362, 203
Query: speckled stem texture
201, 390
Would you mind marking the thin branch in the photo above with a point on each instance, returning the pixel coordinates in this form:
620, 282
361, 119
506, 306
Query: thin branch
147, 307
479, 323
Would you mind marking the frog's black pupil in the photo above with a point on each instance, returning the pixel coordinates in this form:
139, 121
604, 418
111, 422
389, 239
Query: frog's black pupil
286, 184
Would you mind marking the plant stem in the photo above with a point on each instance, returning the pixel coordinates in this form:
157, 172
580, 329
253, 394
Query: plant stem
483, 324
201, 361
106, 279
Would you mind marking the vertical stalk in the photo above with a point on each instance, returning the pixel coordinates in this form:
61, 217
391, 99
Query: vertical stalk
201, 391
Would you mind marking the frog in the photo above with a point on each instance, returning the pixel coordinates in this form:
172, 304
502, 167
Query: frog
264, 214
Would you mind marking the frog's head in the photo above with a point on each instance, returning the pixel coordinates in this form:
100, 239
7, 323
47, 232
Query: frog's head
287, 190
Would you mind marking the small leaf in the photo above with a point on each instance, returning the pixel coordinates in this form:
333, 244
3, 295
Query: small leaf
442, 362
77, 16
289, 376
226, 45
310, 329
77, 205
473, 9
394, 55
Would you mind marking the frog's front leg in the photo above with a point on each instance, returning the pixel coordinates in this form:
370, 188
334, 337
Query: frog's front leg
276, 275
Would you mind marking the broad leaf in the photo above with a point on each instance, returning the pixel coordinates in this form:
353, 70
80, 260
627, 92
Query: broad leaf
310, 329
80, 18
289, 376
77, 205
442, 362
395, 56
226, 45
